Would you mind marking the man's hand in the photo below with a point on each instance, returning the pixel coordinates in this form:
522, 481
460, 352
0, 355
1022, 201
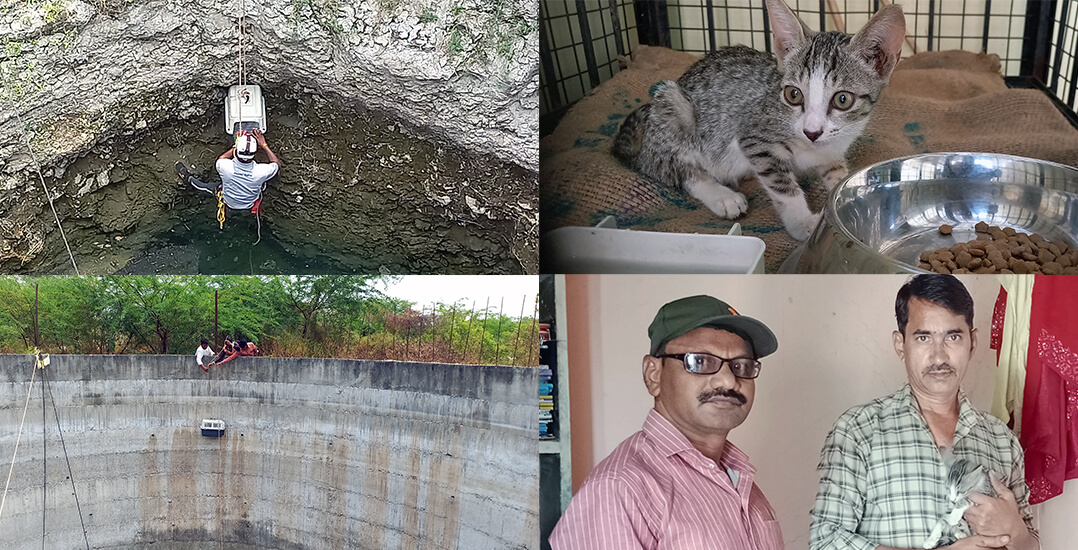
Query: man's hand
975, 542
995, 516
259, 138
980, 541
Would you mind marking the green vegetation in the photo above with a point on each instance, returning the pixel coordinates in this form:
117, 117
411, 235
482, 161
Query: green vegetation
52, 10
428, 16
389, 5
493, 32
18, 78
455, 44
303, 316
12, 49
323, 12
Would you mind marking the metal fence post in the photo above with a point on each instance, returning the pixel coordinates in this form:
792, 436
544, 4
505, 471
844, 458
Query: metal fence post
653, 22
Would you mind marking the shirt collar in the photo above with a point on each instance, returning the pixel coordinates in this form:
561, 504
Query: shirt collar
670, 441
967, 415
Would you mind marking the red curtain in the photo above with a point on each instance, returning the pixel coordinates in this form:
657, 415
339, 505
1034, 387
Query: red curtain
1050, 401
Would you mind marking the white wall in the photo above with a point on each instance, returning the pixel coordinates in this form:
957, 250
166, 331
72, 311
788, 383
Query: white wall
834, 352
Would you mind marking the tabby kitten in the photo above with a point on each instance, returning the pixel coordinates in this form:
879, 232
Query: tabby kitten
738, 112
963, 479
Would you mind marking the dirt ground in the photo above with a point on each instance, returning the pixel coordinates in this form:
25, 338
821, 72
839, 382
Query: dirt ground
357, 192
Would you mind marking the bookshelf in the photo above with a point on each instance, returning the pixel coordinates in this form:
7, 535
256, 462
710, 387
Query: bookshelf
556, 480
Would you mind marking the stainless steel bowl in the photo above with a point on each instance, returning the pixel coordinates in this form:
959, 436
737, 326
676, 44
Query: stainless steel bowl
881, 218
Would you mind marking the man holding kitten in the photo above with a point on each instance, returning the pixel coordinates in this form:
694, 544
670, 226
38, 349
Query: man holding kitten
883, 479
679, 482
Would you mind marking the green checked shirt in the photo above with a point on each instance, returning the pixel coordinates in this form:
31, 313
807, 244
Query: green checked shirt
883, 482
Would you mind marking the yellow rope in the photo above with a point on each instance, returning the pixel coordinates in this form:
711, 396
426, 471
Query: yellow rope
221, 209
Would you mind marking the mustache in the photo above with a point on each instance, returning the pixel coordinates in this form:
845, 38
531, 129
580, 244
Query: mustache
942, 367
722, 392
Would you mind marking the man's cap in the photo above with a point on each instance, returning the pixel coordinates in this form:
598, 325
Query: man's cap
246, 147
681, 316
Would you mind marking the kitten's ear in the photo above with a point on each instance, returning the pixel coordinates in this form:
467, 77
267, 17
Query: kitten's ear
790, 32
879, 43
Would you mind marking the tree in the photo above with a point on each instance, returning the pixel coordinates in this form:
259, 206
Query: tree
335, 297
17, 305
250, 307
154, 308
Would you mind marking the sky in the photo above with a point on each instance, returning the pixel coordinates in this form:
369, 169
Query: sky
425, 290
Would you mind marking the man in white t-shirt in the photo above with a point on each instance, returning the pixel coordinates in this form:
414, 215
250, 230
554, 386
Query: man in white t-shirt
204, 350
242, 179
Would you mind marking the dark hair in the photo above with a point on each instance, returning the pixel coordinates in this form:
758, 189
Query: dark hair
943, 290
205, 342
242, 344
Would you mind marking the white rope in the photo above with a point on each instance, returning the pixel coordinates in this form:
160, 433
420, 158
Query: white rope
242, 60
244, 92
48, 195
3, 499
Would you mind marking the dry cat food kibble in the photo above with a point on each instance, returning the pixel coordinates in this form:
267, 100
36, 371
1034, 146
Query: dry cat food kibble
1002, 250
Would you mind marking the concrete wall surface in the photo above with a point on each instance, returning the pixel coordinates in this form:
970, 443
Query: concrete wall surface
317, 453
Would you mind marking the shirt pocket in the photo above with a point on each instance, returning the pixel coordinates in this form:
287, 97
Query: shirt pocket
770, 535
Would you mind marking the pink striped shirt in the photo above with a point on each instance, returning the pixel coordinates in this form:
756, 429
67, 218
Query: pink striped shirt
656, 491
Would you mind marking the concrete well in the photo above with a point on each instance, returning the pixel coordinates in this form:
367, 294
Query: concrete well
317, 453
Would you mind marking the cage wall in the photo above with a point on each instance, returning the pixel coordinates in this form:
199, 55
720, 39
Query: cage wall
583, 43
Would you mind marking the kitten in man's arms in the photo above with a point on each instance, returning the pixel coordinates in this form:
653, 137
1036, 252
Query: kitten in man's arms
740, 112
963, 479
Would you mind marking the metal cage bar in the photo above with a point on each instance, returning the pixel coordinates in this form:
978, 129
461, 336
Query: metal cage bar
1035, 39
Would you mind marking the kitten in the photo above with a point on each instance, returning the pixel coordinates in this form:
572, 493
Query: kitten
739, 112
963, 479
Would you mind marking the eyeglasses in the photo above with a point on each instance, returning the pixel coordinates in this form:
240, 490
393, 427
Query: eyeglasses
705, 363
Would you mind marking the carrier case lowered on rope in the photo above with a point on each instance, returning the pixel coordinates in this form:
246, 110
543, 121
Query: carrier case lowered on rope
212, 427
253, 107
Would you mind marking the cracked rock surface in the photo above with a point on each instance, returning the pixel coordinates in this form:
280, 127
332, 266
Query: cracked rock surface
407, 131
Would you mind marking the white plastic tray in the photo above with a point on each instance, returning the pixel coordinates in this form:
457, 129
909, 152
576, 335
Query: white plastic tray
603, 250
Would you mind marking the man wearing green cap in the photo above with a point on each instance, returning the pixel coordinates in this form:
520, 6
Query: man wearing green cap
680, 481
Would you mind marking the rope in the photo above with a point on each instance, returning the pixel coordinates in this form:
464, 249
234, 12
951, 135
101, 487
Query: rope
44, 460
242, 61
221, 208
258, 219
3, 498
70, 474
48, 195
222, 498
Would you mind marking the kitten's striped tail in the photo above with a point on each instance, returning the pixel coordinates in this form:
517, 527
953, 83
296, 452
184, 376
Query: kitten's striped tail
669, 118
630, 138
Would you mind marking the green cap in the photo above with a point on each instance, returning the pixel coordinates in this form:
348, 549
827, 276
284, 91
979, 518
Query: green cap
681, 316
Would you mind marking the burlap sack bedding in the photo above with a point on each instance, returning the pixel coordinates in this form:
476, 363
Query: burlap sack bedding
936, 102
